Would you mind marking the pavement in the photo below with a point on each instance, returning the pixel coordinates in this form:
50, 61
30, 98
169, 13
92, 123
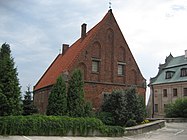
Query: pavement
172, 131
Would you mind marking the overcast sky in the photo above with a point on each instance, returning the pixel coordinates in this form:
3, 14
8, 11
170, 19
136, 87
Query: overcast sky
36, 29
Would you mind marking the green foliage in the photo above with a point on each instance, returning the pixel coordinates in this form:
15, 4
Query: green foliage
28, 106
75, 97
55, 126
130, 123
105, 117
9, 83
123, 106
57, 102
88, 110
177, 109
3, 104
140, 112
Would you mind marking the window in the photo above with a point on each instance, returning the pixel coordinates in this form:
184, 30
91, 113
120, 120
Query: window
183, 72
175, 92
169, 74
95, 66
120, 69
156, 108
165, 92
185, 91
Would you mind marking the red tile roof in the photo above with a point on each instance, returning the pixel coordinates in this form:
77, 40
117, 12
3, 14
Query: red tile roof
64, 62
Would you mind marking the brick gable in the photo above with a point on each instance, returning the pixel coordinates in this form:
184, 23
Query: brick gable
104, 44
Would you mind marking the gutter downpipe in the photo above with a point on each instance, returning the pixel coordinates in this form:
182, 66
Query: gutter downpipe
153, 108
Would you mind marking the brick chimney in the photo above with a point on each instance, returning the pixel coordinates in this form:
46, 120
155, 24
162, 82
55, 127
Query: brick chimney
65, 47
83, 31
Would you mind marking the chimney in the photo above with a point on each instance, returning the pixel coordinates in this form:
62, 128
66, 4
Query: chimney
65, 47
83, 31
185, 54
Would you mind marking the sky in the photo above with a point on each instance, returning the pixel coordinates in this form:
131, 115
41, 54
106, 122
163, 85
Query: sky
36, 30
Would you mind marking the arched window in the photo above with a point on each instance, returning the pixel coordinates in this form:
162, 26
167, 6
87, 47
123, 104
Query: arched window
110, 35
121, 54
96, 50
83, 69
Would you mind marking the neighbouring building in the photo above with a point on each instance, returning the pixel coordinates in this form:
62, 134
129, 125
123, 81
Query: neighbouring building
169, 84
104, 57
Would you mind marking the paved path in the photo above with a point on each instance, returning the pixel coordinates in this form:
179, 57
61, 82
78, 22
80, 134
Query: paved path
172, 131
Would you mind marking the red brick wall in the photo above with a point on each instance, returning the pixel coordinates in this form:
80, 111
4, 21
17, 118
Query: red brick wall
41, 99
94, 92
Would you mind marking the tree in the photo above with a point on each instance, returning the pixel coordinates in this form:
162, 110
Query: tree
3, 104
123, 106
9, 83
177, 109
75, 97
57, 102
28, 106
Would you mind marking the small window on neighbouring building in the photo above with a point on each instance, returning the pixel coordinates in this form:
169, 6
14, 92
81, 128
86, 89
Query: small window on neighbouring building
95, 66
165, 93
175, 92
185, 91
169, 74
156, 108
183, 72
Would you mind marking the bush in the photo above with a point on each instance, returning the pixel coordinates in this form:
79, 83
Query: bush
177, 109
130, 123
105, 117
54, 126
122, 106
76, 105
57, 102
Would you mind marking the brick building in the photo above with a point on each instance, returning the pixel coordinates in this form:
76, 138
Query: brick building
105, 59
168, 85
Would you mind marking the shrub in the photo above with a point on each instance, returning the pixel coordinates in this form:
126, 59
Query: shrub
105, 117
54, 126
76, 105
130, 123
177, 109
57, 102
123, 106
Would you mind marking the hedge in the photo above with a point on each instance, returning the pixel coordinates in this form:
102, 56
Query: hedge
55, 126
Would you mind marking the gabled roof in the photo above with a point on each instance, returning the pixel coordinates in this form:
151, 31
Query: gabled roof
64, 62
174, 65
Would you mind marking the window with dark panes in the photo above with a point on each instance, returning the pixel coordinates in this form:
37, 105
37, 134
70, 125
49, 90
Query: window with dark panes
175, 92
165, 92
185, 91
183, 72
169, 74
156, 108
